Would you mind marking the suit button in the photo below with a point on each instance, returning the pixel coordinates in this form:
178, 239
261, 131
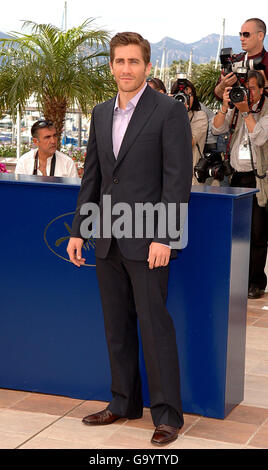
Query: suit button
116, 180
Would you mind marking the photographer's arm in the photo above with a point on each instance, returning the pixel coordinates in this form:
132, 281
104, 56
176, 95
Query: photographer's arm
219, 121
226, 81
249, 120
199, 127
259, 135
250, 123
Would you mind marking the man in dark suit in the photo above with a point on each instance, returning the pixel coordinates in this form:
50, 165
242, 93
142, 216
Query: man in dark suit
139, 151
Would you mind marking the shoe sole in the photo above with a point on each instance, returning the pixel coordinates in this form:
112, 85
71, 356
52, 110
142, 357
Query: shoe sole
160, 444
99, 424
103, 424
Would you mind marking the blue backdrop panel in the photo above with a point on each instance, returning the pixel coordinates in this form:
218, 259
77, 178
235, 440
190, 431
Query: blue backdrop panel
51, 327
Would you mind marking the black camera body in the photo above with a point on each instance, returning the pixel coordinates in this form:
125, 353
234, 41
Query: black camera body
239, 65
231, 62
211, 164
239, 91
182, 84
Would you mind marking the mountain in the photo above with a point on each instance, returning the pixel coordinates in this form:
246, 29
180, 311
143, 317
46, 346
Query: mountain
204, 50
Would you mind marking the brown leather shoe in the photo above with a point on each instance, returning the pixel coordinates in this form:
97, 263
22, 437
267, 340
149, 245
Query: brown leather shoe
164, 434
102, 417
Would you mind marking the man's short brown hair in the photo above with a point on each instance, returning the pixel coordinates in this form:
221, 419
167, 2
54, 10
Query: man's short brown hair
126, 38
259, 24
41, 124
259, 77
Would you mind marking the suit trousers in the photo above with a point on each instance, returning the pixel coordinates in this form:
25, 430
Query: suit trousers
259, 232
131, 293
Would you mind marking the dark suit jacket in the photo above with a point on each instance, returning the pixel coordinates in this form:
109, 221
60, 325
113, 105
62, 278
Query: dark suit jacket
154, 164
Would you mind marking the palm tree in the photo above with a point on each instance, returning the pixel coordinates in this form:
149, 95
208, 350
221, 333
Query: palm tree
205, 81
61, 69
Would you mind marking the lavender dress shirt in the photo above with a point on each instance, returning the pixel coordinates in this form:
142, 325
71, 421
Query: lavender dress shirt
121, 119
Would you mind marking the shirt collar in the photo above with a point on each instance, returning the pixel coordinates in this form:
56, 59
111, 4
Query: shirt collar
254, 106
36, 150
133, 102
260, 54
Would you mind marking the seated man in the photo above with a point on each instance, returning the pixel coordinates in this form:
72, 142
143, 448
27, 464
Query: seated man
46, 160
248, 121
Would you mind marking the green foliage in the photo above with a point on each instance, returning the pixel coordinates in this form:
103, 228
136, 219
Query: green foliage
61, 69
205, 81
10, 151
181, 66
203, 76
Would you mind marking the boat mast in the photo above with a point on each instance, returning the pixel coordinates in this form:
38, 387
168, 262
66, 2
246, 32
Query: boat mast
221, 43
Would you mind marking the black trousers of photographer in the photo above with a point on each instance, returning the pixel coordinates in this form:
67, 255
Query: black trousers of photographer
259, 232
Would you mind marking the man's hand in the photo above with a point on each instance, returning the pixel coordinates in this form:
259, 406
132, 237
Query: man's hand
74, 250
228, 80
225, 98
243, 105
158, 255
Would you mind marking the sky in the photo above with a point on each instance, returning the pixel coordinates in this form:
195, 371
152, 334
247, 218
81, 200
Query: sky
184, 21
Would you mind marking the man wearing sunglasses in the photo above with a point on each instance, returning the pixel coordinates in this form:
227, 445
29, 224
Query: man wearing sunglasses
252, 35
45, 160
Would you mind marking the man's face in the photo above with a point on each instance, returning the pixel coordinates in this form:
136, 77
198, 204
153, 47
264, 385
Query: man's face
255, 91
254, 41
129, 68
46, 141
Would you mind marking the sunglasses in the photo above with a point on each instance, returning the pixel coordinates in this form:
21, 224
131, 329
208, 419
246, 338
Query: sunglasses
152, 80
246, 34
43, 123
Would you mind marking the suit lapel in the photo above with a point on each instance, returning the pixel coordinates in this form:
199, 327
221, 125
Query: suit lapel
145, 107
108, 127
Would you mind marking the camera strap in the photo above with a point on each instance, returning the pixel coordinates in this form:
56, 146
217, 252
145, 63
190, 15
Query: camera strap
232, 129
260, 105
258, 110
199, 149
52, 166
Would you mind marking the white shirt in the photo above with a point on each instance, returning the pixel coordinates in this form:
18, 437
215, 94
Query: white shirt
65, 166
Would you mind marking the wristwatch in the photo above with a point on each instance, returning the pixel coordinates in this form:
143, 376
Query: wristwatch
245, 114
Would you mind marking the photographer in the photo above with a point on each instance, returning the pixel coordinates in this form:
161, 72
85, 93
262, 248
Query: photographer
252, 35
248, 144
184, 91
156, 84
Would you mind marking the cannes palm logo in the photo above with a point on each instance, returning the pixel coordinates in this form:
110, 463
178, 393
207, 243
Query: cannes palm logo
121, 221
57, 234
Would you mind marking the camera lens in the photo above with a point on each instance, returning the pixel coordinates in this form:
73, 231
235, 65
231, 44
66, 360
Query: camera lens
216, 172
237, 94
181, 97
